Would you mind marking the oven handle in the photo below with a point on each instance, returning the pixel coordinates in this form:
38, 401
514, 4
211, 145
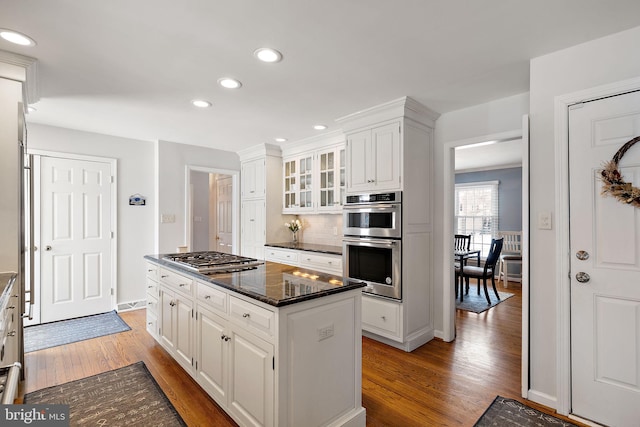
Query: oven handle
365, 241
390, 207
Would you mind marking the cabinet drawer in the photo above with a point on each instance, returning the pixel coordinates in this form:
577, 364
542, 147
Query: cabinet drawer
327, 263
251, 316
152, 271
152, 304
152, 288
212, 298
381, 317
279, 255
175, 280
152, 323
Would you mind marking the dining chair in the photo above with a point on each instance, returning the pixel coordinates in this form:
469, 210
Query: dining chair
461, 242
485, 272
511, 254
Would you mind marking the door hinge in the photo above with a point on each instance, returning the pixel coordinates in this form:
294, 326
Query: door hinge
273, 363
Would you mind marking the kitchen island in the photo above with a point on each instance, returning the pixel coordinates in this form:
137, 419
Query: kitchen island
274, 345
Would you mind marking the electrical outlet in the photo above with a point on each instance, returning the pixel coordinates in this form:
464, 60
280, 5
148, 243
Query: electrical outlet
326, 332
167, 218
544, 220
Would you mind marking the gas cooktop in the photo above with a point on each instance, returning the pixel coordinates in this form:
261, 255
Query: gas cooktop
212, 262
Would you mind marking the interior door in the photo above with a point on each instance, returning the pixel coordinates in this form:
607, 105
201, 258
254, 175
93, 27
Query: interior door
75, 251
224, 212
605, 244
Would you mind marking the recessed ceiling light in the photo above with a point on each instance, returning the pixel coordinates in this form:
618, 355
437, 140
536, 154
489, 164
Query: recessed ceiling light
266, 54
319, 127
16, 37
280, 139
200, 103
229, 83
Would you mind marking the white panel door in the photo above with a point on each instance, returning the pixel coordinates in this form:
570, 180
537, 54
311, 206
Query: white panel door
76, 261
224, 215
605, 309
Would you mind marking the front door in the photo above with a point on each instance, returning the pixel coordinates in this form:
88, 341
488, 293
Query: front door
75, 242
605, 244
224, 214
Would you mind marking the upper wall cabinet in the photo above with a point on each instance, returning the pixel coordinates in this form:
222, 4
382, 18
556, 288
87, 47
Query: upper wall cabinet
253, 179
373, 156
314, 175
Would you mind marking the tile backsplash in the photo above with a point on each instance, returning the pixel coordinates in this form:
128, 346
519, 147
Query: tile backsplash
321, 229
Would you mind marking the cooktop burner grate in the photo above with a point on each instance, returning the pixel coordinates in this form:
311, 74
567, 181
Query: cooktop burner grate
212, 262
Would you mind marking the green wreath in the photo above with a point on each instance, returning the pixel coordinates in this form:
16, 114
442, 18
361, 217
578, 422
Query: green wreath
612, 182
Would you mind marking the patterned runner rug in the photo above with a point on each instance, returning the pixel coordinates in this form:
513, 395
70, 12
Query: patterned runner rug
126, 396
53, 334
478, 303
509, 412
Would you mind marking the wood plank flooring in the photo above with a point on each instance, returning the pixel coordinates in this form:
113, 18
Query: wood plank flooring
438, 384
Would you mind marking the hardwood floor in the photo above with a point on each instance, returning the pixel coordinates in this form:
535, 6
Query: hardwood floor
438, 384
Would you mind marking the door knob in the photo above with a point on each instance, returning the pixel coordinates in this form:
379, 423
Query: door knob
582, 255
582, 277
47, 248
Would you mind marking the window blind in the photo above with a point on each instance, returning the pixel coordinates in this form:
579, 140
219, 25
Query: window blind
476, 213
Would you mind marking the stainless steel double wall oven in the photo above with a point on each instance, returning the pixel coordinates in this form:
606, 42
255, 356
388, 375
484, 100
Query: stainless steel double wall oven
372, 243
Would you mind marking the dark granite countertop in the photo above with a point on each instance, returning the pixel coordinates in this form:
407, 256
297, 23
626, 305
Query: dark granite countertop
310, 247
272, 283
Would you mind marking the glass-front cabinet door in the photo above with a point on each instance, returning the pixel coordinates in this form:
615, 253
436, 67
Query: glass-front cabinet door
298, 184
331, 185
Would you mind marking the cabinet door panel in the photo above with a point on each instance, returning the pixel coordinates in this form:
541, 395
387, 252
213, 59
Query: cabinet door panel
212, 372
166, 320
252, 386
253, 179
358, 149
253, 228
184, 332
386, 143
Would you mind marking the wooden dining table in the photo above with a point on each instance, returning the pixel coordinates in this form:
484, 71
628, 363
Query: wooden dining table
462, 256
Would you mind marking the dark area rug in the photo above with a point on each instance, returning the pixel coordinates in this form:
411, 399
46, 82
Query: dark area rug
53, 334
127, 396
478, 303
509, 412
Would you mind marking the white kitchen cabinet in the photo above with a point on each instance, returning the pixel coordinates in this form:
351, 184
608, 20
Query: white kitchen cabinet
176, 328
331, 165
299, 183
252, 371
326, 263
390, 148
253, 228
253, 179
261, 201
373, 159
314, 175
212, 365
153, 294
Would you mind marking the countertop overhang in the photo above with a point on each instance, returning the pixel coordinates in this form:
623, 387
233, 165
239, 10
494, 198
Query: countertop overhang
271, 283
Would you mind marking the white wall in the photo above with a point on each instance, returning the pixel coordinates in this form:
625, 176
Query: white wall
171, 162
135, 175
603, 61
502, 115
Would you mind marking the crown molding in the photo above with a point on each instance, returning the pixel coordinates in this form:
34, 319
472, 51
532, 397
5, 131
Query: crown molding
259, 150
24, 69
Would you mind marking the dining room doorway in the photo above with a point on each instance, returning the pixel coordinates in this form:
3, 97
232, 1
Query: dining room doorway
490, 158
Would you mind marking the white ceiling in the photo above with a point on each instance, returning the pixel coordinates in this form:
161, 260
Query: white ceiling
130, 67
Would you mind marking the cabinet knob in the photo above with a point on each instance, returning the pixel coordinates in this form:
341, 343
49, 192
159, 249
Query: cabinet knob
207, 297
166, 275
329, 262
246, 315
182, 285
11, 334
384, 318
172, 303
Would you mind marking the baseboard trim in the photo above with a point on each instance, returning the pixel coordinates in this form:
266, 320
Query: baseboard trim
133, 305
543, 399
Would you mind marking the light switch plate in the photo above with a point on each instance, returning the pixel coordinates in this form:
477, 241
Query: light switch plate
544, 220
167, 218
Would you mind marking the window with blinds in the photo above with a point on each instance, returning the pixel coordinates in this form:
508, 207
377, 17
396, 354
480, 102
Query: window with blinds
476, 213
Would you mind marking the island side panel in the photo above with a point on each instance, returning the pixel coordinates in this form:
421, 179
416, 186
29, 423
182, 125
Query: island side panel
320, 362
